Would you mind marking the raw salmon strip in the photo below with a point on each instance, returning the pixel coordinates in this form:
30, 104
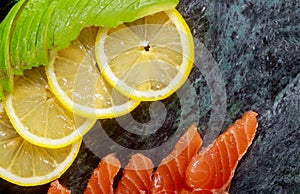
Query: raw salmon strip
170, 174
136, 175
101, 181
57, 188
213, 168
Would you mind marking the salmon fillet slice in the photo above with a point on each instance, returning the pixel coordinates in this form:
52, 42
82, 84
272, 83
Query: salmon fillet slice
136, 176
57, 188
213, 168
170, 174
101, 181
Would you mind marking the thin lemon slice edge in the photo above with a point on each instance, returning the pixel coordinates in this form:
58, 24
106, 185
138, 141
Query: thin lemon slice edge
26, 164
39, 117
76, 81
148, 59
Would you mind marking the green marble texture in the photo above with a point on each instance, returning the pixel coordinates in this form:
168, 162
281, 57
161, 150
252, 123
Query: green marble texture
256, 44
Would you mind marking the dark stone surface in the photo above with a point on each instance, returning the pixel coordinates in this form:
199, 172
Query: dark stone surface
272, 165
256, 45
5, 6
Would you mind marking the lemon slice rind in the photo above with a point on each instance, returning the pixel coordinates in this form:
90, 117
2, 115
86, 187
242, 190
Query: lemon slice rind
83, 110
150, 95
26, 164
40, 180
43, 141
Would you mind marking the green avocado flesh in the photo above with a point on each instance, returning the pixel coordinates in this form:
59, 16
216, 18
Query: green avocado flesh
34, 27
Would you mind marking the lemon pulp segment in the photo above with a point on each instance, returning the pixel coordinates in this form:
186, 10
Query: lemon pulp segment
148, 59
39, 117
26, 164
77, 82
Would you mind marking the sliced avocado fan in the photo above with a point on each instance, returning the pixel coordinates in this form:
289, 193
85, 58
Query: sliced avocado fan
32, 28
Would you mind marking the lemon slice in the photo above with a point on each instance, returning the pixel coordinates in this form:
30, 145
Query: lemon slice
25, 164
39, 117
148, 59
77, 82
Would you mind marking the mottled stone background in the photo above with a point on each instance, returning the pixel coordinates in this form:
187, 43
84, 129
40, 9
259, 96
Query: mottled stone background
256, 44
